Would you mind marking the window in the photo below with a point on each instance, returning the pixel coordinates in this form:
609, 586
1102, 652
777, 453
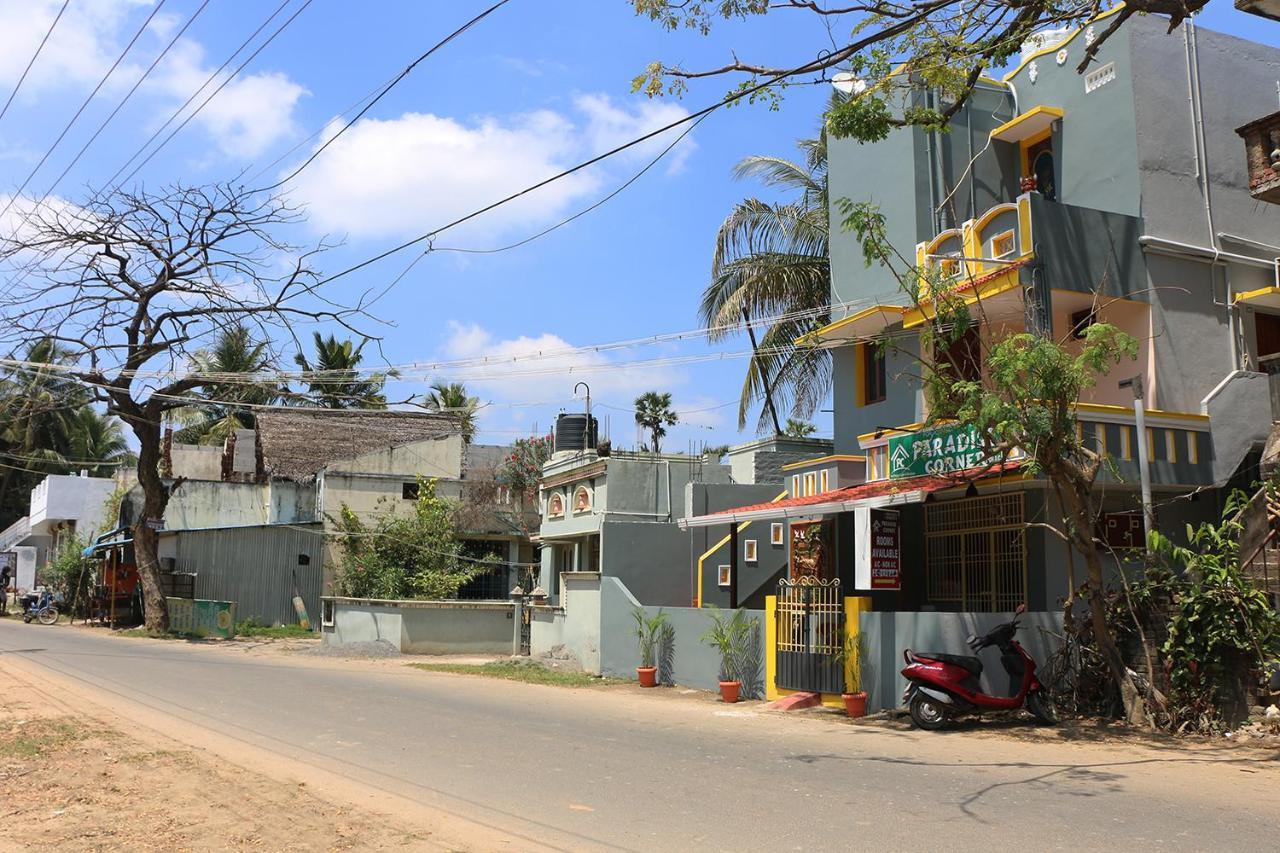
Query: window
1003, 245
963, 356
872, 368
823, 478
724, 577
1081, 321
749, 551
776, 534
878, 462
1122, 529
810, 484
975, 553
409, 491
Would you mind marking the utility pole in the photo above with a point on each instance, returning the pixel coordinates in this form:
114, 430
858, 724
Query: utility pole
1144, 471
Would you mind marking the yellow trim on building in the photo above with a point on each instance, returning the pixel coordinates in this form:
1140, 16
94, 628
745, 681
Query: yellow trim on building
1268, 297
1054, 48
885, 433
1025, 243
1107, 409
815, 337
834, 457
1000, 283
1033, 124
716, 547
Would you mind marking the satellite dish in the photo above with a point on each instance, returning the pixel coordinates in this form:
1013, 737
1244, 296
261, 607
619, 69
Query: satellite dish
848, 83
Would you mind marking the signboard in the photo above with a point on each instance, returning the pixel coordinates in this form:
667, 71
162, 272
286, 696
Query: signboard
155, 523
886, 550
200, 618
878, 549
936, 451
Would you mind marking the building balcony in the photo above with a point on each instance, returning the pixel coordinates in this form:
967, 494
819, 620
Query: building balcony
1262, 152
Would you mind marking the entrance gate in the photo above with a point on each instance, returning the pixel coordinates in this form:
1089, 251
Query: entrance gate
810, 625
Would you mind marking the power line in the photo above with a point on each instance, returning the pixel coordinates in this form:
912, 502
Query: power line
84, 105
389, 86
34, 57
125, 100
196, 93
221, 86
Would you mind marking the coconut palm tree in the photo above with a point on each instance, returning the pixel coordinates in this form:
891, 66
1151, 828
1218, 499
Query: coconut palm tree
771, 264
97, 438
452, 398
228, 404
654, 413
338, 385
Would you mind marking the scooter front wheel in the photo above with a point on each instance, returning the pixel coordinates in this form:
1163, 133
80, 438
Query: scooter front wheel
928, 713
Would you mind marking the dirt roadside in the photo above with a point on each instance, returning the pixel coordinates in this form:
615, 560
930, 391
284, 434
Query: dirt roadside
84, 772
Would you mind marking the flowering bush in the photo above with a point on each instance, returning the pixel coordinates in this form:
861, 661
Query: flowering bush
522, 470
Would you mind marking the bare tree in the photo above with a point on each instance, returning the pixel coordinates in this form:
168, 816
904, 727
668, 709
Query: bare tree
133, 284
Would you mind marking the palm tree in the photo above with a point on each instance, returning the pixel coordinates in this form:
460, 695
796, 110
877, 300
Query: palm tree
653, 412
98, 438
771, 261
452, 398
229, 404
338, 385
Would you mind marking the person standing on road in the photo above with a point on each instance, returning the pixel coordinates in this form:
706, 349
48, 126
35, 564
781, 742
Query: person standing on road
5, 577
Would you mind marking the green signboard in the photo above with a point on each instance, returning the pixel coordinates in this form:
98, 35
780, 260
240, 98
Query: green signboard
936, 451
200, 618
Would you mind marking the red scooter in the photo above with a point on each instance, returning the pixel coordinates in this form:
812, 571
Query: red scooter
942, 686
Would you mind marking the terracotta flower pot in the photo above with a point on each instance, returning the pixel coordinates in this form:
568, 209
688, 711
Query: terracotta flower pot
648, 675
855, 704
729, 690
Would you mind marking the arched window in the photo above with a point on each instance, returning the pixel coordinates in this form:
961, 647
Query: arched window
555, 506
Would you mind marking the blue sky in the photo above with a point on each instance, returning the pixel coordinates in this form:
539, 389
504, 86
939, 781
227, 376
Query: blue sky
534, 88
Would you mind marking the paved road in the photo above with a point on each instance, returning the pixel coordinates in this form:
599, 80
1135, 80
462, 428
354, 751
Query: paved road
616, 769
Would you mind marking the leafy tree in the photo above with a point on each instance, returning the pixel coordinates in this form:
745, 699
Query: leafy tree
945, 44
654, 413
98, 438
521, 471
799, 429
228, 404
452, 398
391, 556
337, 383
771, 261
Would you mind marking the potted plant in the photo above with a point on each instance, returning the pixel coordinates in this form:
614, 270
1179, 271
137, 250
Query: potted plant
649, 631
851, 657
729, 635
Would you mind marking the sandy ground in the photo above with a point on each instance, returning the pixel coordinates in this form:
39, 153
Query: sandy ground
70, 780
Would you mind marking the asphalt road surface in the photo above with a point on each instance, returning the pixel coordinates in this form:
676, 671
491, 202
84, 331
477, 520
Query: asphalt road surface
620, 769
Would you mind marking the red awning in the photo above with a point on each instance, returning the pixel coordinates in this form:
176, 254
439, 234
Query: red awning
879, 493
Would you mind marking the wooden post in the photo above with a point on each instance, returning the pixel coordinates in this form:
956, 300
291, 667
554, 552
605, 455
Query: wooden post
733, 566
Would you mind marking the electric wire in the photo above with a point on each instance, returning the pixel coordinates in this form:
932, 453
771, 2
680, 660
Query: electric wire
34, 57
83, 106
215, 92
152, 67
385, 89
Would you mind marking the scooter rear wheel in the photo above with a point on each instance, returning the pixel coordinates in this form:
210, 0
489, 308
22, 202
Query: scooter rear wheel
928, 713
1043, 708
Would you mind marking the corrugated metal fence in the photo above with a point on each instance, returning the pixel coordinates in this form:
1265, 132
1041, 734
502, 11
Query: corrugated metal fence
255, 566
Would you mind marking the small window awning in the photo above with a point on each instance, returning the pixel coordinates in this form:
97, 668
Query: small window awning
880, 493
862, 324
1032, 122
1263, 297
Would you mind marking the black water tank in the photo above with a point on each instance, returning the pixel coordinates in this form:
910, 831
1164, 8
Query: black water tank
575, 432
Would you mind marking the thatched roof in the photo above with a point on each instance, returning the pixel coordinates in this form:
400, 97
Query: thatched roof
298, 443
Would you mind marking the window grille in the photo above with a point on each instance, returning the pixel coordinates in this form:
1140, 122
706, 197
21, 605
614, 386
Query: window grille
976, 553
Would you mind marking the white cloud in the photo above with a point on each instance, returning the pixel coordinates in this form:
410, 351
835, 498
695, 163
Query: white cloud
610, 125
250, 114
555, 375
81, 48
399, 177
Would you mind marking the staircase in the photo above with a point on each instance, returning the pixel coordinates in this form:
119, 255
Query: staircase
1262, 563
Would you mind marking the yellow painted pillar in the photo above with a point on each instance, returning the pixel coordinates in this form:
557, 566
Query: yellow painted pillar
770, 647
854, 607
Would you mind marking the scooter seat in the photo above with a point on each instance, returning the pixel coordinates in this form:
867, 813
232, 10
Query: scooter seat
969, 662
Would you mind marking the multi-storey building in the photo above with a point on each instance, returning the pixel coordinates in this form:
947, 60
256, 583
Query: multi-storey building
1055, 200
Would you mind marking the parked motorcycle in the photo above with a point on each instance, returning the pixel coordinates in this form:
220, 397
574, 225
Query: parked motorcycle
941, 686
